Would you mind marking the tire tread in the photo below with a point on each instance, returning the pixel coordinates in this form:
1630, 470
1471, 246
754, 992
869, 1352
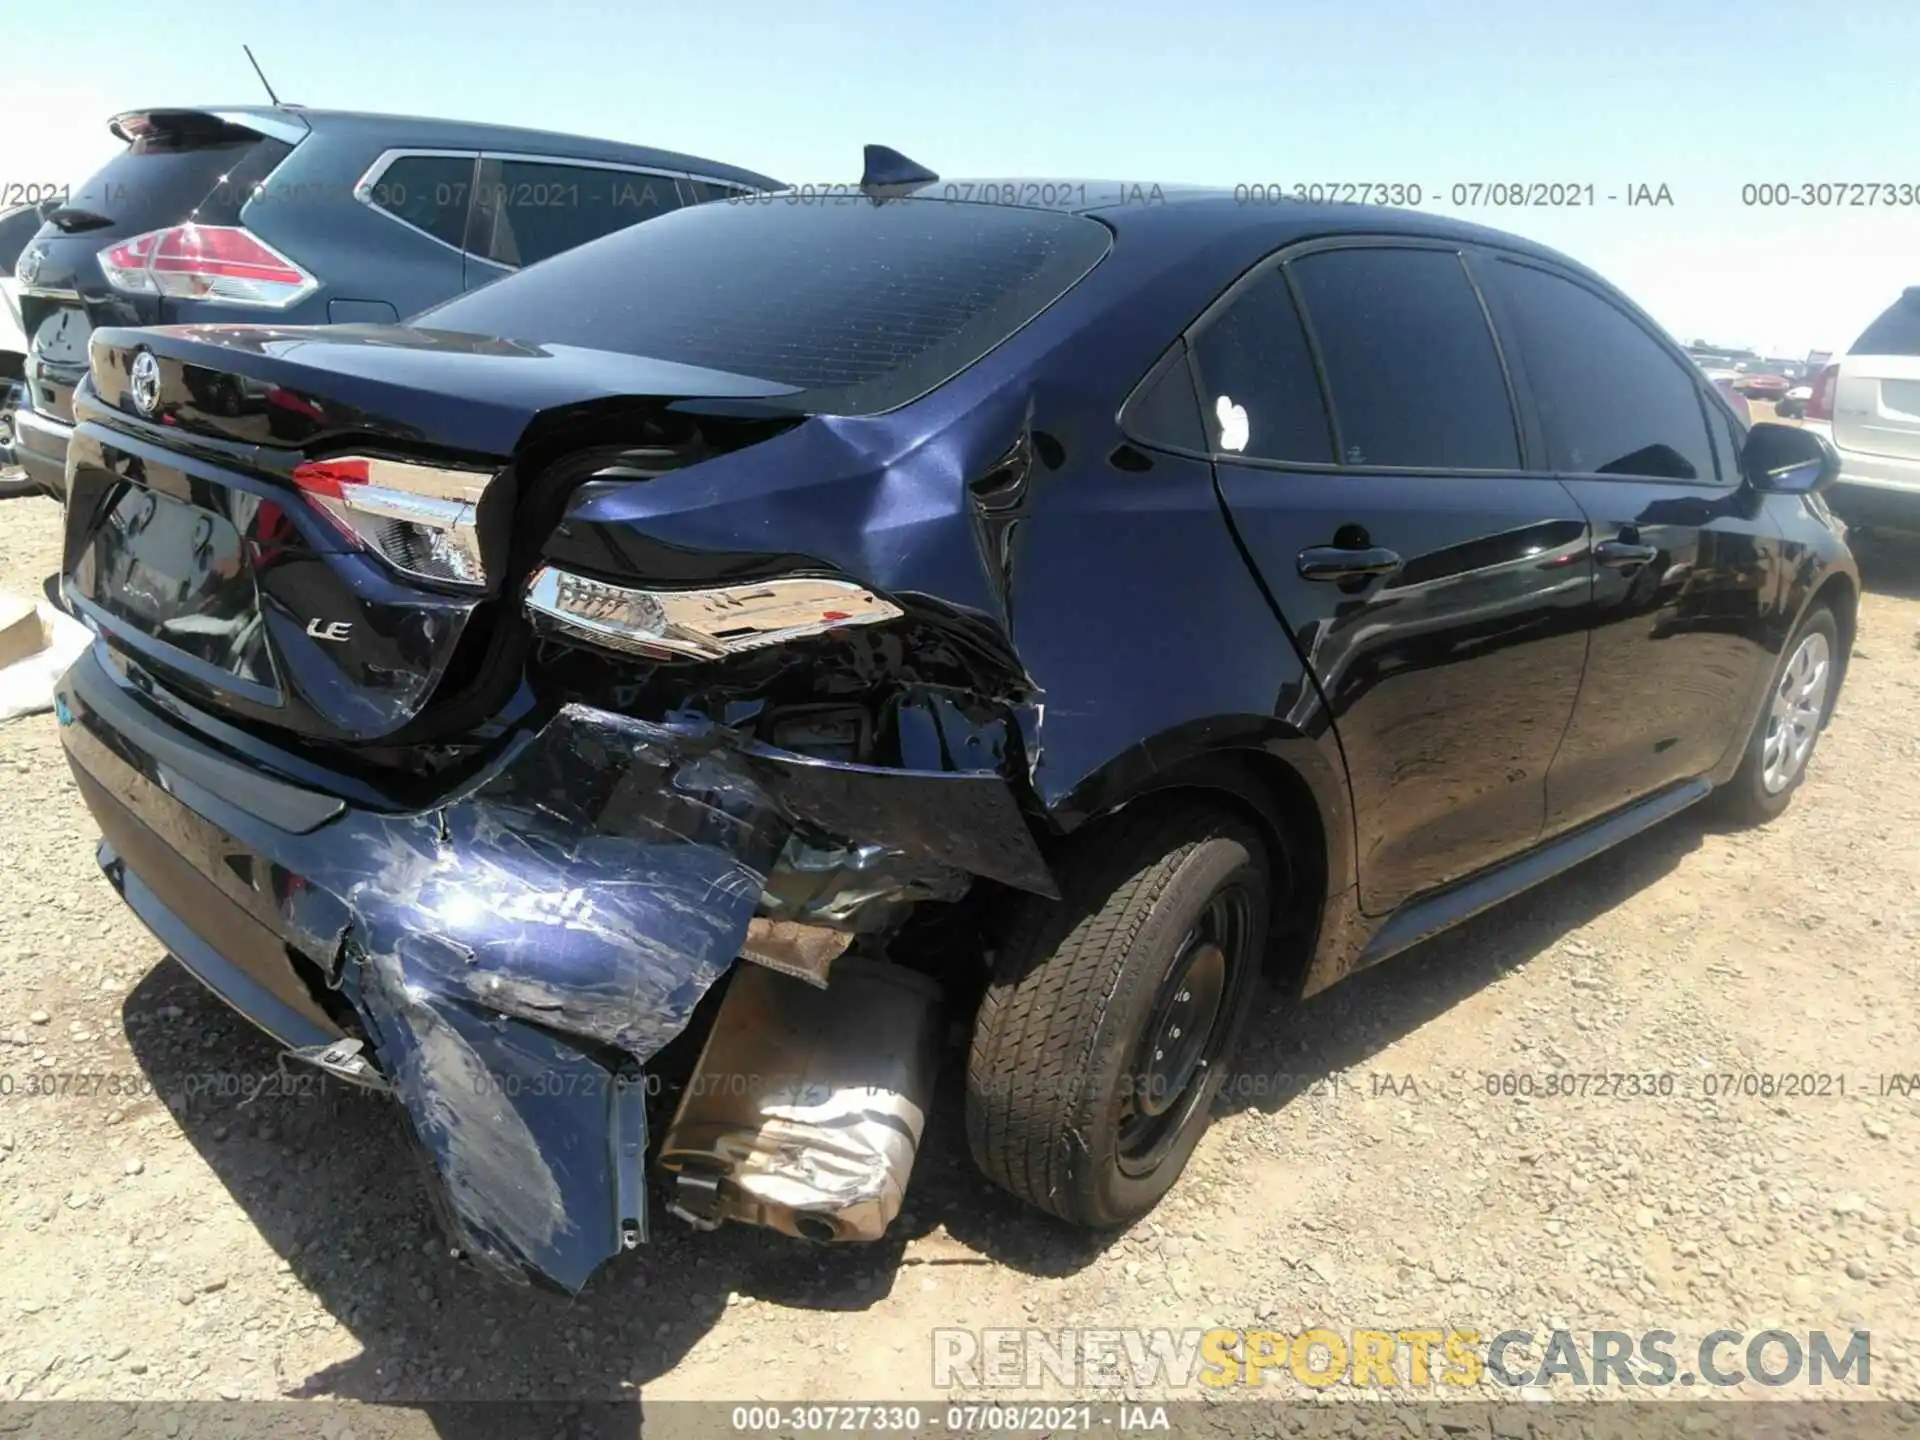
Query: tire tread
1054, 980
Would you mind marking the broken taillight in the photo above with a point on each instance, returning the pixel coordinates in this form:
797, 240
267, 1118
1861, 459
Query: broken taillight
225, 263
420, 519
700, 624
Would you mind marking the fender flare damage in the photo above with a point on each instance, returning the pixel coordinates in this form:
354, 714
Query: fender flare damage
517, 953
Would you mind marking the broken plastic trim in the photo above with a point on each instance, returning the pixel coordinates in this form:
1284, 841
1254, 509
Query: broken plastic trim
517, 953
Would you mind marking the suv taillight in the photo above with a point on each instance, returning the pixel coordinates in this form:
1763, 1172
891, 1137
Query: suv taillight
1820, 402
222, 263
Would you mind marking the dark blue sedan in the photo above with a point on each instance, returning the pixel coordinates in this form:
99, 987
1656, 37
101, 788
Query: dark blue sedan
653, 688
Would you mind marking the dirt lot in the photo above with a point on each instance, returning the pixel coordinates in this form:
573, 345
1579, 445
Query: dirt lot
178, 1243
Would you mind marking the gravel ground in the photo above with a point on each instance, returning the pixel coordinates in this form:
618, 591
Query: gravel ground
175, 1242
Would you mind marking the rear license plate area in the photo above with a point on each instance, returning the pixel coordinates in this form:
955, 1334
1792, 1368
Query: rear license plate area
176, 571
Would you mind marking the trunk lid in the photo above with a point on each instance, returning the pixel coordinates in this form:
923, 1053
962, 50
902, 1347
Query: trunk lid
179, 165
219, 525
1876, 400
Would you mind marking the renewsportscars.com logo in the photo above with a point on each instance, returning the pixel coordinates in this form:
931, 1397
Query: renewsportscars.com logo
1417, 1358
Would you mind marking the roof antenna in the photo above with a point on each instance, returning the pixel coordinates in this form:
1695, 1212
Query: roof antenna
261, 73
889, 174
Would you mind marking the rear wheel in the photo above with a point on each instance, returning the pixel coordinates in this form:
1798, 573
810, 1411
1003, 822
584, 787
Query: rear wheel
1789, 727
1111, 1016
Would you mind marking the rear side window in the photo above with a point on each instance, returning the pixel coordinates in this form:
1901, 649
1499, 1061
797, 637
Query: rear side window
1896, 332
859, 307
1411, 366
1163, 410
429, 192
535, 209
1256, 372
1612, 399
701, 191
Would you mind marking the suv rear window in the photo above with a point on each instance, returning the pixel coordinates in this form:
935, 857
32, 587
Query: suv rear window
195, 167
1896, 332
861, 307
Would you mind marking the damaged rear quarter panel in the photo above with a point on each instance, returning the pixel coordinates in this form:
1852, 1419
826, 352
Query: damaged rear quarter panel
1121, 595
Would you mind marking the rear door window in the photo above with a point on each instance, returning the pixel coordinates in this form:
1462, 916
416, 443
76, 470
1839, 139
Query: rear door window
429, 192
1612, 399
1262, 397
534, 209
1411, 366
859, 307
1895, 332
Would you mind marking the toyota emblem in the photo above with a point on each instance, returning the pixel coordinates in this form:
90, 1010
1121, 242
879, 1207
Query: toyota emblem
144, 380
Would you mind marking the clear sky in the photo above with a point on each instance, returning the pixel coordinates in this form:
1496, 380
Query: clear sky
1701, 98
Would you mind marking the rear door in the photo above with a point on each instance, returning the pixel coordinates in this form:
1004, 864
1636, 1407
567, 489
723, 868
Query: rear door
1876, 400
178, 165
1685, 556
528, 208
1373, 465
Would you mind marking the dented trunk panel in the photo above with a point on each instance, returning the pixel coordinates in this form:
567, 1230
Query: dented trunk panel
514, 953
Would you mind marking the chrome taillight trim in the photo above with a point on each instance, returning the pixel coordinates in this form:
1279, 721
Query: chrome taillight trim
432, 498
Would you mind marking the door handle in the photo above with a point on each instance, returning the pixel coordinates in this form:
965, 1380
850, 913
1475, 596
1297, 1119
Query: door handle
1620, 554
1334, 562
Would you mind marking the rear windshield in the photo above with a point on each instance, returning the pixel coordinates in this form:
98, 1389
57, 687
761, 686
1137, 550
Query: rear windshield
201, 172
1896, 332
862, 307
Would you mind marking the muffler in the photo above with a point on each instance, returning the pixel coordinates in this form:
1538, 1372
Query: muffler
807, 1105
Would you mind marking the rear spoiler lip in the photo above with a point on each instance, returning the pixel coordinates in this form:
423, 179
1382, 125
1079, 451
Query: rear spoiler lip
488, 420
283, 123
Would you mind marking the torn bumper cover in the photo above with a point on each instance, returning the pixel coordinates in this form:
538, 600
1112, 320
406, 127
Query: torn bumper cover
514, 954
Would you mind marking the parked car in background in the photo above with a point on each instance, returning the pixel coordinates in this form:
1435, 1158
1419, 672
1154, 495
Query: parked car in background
1868, 404
1724, 377
791, 619
17, 227
1758, 381
296, 216
1727, 383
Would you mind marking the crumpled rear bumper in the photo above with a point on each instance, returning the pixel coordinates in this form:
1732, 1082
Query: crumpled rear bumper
512, 955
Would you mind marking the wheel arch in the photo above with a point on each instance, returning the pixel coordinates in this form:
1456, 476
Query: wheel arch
1280, 780
1840, 595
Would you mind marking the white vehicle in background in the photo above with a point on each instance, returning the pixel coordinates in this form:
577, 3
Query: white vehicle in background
18, 225
1868, 404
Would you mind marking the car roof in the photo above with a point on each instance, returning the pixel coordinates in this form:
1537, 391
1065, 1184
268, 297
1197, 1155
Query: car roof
1201, 214
429, 131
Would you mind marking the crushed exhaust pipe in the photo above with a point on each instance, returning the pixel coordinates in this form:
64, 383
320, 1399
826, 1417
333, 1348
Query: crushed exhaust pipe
808, 1104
